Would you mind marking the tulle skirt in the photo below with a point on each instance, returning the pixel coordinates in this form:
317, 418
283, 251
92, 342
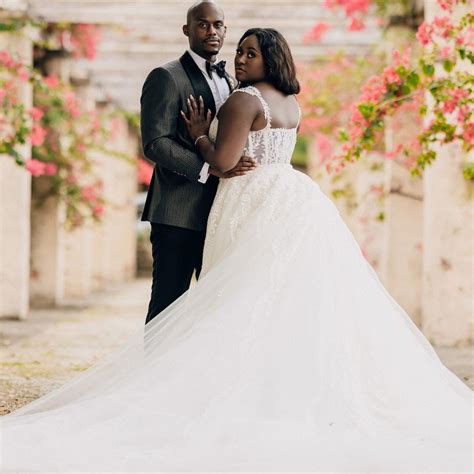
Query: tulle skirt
287, 355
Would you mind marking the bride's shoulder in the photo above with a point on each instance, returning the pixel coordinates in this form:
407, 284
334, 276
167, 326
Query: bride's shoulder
238, 102
250, 90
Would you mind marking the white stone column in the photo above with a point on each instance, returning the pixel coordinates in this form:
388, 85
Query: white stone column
114, 239
102, 254
15, 194
448, 258
448, 317
47, 230
78, 242
121, 193
402, 252
402, 235
47, 247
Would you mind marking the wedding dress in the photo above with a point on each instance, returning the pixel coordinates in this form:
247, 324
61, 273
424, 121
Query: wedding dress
287, 355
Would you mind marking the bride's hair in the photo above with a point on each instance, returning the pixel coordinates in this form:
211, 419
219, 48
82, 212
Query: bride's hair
279, 65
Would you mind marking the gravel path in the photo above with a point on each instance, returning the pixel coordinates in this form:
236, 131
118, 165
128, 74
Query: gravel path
53, 345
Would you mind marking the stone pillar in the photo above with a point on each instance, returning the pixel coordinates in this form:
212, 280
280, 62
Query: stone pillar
448, 256
102, 254
47, 247
78, 242
15, 192
47, 230
402, 253
402, 234
114, 239
122, 208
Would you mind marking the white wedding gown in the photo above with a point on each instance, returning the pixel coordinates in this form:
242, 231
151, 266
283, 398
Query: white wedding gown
287, 355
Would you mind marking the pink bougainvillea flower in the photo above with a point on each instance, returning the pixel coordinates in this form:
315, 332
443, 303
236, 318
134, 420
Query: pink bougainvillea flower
52, 81
72, 104
324, 146
316, 32
355, 24
446, 52
35, 167
373, 89
145, 172
462, 114
424, 34
446, 4
89, 193
468, 134
469, 39
6, 58
442, 26
98, 210
36, 113
84, 39
400, 59
71, 179
393, 153
23, 74
37, 135
390, 75
50, 169
350, 6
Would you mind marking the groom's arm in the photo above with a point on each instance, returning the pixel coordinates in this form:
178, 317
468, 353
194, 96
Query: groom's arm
160, 112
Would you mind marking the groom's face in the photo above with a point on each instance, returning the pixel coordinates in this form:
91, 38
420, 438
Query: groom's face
206, 30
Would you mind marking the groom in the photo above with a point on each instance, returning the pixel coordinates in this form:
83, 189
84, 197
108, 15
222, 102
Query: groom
183, 186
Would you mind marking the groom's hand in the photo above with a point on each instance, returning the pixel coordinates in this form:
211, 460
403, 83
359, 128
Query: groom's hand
244, 166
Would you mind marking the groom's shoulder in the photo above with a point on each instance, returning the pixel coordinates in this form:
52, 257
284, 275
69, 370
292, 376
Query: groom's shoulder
166, 72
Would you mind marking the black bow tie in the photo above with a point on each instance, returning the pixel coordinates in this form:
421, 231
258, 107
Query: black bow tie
218, 67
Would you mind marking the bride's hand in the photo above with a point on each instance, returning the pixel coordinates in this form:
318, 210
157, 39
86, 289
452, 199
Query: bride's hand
198, 121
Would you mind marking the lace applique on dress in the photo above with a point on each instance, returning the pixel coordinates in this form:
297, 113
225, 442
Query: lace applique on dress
269, 145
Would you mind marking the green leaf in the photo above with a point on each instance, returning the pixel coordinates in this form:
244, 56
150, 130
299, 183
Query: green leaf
468, 171
343, 135
366, 110
448, 65
413, 79
428, 70
405, 89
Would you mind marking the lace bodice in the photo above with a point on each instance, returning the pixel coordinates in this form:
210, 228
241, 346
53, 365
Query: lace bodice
268, 145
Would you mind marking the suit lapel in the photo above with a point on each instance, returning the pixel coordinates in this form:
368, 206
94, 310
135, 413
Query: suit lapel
199, 83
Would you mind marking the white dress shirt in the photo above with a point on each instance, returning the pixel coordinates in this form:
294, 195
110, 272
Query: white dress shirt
220, 91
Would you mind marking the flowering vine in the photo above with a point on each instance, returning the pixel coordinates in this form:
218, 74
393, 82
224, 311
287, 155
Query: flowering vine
406, 83
79, 39
451, 93
62, 135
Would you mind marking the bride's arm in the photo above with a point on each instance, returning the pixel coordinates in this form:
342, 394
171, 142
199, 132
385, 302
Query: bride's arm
236, 117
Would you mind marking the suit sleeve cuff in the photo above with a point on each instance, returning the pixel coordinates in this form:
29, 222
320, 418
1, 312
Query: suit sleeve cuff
204, 174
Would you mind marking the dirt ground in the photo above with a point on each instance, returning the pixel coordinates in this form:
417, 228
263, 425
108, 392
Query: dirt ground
51, 346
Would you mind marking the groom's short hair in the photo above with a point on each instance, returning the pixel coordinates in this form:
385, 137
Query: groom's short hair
191, 9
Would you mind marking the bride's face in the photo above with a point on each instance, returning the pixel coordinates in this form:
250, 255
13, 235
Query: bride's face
249, 65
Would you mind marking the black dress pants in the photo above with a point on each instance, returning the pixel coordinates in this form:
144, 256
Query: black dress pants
177, 253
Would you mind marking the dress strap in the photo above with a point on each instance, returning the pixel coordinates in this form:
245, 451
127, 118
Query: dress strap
255, 92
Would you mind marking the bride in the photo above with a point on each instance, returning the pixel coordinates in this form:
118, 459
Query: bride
287, 355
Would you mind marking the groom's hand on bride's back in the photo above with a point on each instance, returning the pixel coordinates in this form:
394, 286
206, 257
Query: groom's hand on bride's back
244, 166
